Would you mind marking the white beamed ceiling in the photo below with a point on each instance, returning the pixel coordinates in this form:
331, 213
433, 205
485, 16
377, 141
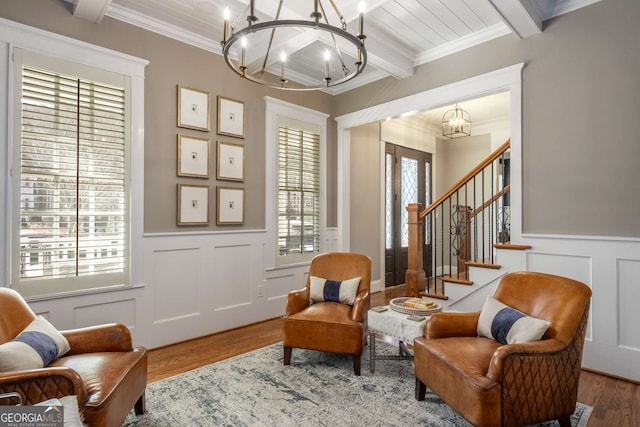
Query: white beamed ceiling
401, 34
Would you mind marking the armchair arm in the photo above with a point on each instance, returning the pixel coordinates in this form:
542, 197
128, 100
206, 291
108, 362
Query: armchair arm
360, 306
527, 354
37, 385
93, 339
297, 301
450, 324
550, 369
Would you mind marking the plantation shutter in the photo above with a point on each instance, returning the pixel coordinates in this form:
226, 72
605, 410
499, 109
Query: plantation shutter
298, 191
73, 219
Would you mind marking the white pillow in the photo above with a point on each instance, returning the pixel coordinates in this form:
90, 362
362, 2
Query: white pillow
508, 325
332, 290
37, 345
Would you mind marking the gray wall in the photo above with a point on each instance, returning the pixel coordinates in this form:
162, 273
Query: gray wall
580, 138
580, 105
456, 157
173, 63
365, 194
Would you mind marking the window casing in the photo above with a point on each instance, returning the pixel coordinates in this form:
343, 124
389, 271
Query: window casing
70, 176
295, 171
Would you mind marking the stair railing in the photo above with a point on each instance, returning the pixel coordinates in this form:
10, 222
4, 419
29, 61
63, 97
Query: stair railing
461, 226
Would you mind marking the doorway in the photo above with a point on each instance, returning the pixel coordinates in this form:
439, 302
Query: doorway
407, 180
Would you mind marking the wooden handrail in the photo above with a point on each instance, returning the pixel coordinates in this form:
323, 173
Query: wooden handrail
491, 200
466, 178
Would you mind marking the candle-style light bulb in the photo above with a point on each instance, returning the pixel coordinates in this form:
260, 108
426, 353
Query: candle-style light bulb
243, 61
361, 8
283, 60
226, 15
327, 56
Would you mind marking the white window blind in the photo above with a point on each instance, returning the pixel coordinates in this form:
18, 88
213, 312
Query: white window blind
73, 181
298, 191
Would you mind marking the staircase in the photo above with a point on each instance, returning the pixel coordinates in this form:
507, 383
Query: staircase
483, 279
459, 245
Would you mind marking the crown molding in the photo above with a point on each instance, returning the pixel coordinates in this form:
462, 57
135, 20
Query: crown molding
160, 27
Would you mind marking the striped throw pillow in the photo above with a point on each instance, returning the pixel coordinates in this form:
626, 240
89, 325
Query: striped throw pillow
344, 291
508, 325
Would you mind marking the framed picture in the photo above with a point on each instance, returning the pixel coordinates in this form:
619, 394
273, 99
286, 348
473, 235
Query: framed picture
230, 161
193, 109
193, 204
230, 205
230, 117
193, 156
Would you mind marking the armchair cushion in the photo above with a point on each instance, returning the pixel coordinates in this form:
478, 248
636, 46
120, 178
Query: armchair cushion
35, 347
333, 290
508, 325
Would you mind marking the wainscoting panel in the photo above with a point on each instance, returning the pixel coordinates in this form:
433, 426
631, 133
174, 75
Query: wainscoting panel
122, 311
231, 278
277, 287
611, 267
576, 267
177, 278
628, 285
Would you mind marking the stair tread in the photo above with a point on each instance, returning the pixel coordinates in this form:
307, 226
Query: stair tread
456, 280
511, 246
430, 295
482, 265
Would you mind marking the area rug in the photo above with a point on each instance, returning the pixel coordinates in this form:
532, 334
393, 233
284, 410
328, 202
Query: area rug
317, 389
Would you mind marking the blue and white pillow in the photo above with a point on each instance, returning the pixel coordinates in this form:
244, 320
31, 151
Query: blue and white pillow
508, 325
344, 291
37, 345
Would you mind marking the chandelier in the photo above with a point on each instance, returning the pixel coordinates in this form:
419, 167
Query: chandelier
323, 50
456, 123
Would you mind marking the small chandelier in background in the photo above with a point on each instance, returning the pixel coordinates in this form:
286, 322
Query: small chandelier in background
252, 45
456, 123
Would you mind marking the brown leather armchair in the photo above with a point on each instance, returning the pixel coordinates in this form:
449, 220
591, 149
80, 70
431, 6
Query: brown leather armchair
329, 326
102, 369
492, 384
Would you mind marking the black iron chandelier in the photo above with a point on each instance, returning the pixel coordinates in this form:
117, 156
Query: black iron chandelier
456, 123
248, 51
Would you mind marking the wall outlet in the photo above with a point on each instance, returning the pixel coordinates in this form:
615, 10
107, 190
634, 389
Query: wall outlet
261, 290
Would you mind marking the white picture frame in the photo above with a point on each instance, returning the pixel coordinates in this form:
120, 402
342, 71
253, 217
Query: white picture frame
194, 156
193, 204
230, 161
230, 117
194, 109
230, 205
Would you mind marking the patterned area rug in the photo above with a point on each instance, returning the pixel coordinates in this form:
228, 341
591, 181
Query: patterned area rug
317, 389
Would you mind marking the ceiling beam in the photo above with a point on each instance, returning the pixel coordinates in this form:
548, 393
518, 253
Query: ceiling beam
520, 16
91, 10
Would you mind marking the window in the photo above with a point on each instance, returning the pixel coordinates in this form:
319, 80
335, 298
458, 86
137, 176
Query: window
70, 176
295, 171
298, 191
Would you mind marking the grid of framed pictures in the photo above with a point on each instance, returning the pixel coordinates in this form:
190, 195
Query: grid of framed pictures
194, 158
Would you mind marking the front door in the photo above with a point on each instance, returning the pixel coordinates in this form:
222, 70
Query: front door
407, 180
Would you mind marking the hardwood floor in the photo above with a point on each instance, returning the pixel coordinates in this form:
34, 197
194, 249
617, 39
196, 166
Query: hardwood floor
616, 402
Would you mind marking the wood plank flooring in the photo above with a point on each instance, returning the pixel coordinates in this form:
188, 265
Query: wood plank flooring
616, 402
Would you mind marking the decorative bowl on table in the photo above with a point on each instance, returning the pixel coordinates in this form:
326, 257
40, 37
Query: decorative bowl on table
419, 306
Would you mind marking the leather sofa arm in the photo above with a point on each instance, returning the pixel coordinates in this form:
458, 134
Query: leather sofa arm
526, 355
297, 301
450, 324
94, 339
37, 385
360, 306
